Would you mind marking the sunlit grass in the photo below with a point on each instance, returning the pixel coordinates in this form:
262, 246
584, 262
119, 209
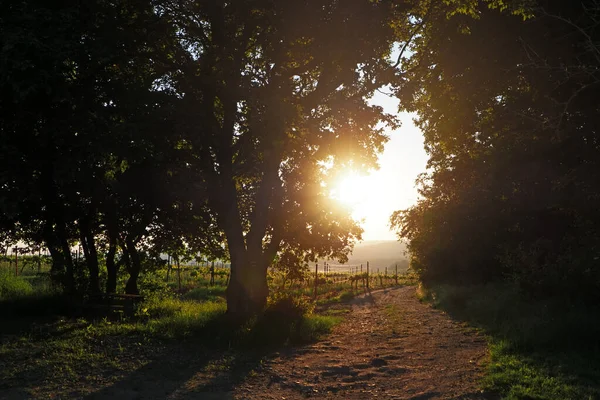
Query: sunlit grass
13, 287
205, 293
180, 318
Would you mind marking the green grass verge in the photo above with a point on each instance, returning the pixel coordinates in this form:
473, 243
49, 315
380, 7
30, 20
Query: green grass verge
13, 287
540, 349
212, 293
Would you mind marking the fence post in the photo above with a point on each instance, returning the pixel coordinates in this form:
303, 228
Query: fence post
212, 273
396, 273
367, 275
316, 279
16, 261
178, 274
168, 267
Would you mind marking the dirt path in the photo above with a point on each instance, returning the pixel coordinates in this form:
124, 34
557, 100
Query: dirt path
390, 346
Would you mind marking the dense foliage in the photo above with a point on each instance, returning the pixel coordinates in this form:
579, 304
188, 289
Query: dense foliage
141, 128
508, 101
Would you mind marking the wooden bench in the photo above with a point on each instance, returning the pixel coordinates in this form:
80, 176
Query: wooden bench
111, 305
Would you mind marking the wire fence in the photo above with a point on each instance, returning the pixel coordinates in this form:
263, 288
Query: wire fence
324, 280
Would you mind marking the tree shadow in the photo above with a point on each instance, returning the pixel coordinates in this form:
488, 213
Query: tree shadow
185, 371
211, 365
367, 298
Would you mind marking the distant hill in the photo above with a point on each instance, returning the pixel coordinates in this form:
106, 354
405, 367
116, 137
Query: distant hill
380, 254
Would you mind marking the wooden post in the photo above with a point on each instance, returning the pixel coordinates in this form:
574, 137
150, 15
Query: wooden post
367, 275
16, 261
396, 273
168, 267
212, 273
316, 279
178, 274
40, 260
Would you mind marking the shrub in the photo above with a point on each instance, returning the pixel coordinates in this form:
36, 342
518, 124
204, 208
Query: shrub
287, 320
283, 306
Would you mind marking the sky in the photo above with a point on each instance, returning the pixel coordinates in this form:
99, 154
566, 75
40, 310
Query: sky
376, 196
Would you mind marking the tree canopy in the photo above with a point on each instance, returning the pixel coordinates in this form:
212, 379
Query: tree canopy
138, 129
190, 127
508, 104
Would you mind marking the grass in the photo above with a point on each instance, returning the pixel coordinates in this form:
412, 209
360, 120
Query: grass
48, 360
29, 297
341, 295
48, 355
213, 293
13, 287
540, 349
175, 318
43, 351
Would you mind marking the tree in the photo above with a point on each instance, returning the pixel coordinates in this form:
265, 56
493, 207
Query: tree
81, 116
509, 114
275, 98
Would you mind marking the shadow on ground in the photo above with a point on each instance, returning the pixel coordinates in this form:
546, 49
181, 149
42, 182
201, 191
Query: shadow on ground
185, 371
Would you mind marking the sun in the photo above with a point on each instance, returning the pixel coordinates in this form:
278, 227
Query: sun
351, 189
370, 198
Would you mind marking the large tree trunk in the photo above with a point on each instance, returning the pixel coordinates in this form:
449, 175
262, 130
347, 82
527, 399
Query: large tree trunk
58, 261
91, 255
247, 291
55, 231
133, 267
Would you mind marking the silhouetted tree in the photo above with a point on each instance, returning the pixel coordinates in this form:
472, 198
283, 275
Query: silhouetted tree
273, 93
509, 108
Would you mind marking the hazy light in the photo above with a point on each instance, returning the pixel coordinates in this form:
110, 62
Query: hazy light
373, 197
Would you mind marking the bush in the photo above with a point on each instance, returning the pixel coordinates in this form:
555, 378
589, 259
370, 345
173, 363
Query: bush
152, 283
286, 307
285, 320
